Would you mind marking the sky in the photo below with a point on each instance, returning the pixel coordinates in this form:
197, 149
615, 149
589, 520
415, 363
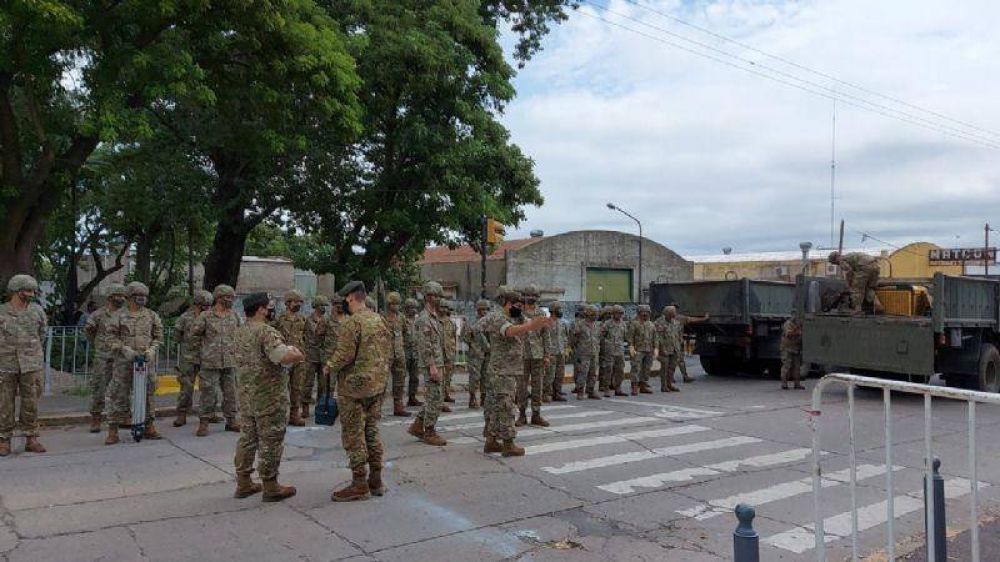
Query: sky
710, 156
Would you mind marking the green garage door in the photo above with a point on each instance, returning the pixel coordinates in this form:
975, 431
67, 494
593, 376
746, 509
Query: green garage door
609, 285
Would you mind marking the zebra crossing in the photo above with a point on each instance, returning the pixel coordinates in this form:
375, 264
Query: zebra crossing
593, 438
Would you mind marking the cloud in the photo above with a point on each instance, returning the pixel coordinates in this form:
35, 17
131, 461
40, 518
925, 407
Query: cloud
709, 156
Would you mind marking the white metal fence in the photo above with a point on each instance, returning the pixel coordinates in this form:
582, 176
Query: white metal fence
888, 387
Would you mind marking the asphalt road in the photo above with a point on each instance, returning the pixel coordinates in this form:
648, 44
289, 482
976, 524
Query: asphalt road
647, 478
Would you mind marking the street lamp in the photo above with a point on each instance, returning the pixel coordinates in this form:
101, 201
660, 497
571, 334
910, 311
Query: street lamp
805, 247
614, 207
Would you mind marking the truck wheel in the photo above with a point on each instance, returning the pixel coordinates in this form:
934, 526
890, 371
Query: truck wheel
989, 362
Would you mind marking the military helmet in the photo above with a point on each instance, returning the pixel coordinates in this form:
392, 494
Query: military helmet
593, 310
509, 293
618, 309
293, 295
433, 289
670, 308
393, 298
834, 257
320, 300
137, 289
115, 289
223, 290
446, 305
530, 291
22, 282
482, 304
555, 305
412, 303
203, 298
645, 308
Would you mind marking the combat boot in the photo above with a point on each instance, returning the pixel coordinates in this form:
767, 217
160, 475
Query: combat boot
413, 402
246, 487
619, 391
445, 409
356, 490
202, 430
635, 390
416, 428
95, 423
150, 432
688, 378
375, 484
492, 446
644, 388
294, 418
448, 398
593, 395
537, 419
473, 401
274, 492
399, 410
4, 448
181, 419
305, 411
432, 438
215, 419
558, 397
112, 437
511, 450
522, 419
671, 387
232, 426
580, 395
31, 445
608, 394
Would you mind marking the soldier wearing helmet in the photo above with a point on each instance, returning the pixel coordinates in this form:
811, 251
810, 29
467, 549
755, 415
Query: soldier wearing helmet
326, 384
450, 335
558, 339
861, 272
430, 350
22, 330
189, 358
536, 361
641, 338
137, 334
397, 362
99, 336
478, 352
216, 332
409, 345
613, 354
292, 326
317, 325
583, 339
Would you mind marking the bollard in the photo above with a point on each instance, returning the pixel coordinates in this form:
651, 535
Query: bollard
940, 541
746, 541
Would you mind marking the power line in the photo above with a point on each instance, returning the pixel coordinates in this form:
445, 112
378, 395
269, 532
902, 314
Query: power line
810, 87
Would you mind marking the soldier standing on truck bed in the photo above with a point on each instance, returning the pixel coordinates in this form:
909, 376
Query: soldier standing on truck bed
861, 272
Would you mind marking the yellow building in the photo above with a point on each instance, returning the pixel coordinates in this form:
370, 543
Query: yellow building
913, 262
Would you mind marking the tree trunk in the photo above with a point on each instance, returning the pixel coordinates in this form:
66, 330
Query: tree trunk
222, 264
144, 258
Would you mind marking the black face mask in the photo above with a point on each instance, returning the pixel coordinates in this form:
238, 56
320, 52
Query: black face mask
516, 312
270, 314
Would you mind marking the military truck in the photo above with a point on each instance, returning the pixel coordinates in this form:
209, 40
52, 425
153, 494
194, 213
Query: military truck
743, 333
949, 325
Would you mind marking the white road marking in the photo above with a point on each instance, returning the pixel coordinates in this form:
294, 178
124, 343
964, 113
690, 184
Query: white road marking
802, 539
479, 424
466, 415
635, 420
626, 458
783, 491
669, 408
686, 474
553, 446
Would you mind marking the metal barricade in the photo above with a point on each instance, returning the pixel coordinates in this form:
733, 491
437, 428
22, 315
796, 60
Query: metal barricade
888, 387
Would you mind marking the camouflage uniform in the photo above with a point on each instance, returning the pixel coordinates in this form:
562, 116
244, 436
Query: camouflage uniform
134, 333
397, 357
327, 384
449, 334
315, 340
792, 368
218, 362
430, 351
536, 349
410, 347
642, 337
263, 395
99, 335
558, 338
292, 327
583, 339
504, 369
21, 364
361, 364
476, 356
189, 356
669, 342
862, 272
612, 354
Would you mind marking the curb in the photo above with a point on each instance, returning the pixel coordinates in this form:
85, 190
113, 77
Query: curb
64, 420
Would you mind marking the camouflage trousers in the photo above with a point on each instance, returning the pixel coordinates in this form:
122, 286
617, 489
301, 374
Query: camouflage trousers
447, 373
792, 369
554, 375
642, 364
359, 418
296, 383
120, 394
668, 365
314, 373
398, 370
613, 372
214, 382
531, 385
27, 387
475, 366
99, 379
433, 398
585, 373
500, 412
186, 376
489, 398
413, 372
261, 436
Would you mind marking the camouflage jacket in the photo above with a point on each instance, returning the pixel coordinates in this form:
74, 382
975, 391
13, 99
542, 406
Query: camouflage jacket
507, 353
190, 344
558, 338
584, 338
98, 332
410, 338
136, 332
641, 335
364, 350
330, 339
21, 335
476, 340
791, 336
216, 333
856, 261
429, 342
315, 338
669, 336
398, 342
536, 344
292, 327
613, 338
449, 337
262, 383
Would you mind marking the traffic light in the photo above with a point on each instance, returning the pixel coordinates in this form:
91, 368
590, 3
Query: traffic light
494, 232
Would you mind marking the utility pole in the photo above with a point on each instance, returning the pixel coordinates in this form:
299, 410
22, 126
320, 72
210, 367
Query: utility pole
986, 253
482, 266
833, 171
614, 207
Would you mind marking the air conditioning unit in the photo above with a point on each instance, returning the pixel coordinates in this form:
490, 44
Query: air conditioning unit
781, 271
831, 270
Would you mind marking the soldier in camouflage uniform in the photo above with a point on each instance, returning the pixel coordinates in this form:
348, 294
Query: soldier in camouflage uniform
398, 358
189, 356
315, 339
682, 321
430, 362
326, 383
583, 339
507, 329
478, 347
450, 335
791, 353
292, 327
613, 353
361, 364
216, 329
536, 361
641, 337
558, 338
137, 332
862, 273
262, 361
100, 338
22, 330
410, 345
670, 345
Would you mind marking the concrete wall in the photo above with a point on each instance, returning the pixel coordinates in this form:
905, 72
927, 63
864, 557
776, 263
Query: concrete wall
558, 264
265, 274
461, 280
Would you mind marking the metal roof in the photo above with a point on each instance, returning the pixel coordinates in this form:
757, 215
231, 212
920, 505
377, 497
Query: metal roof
784, 256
